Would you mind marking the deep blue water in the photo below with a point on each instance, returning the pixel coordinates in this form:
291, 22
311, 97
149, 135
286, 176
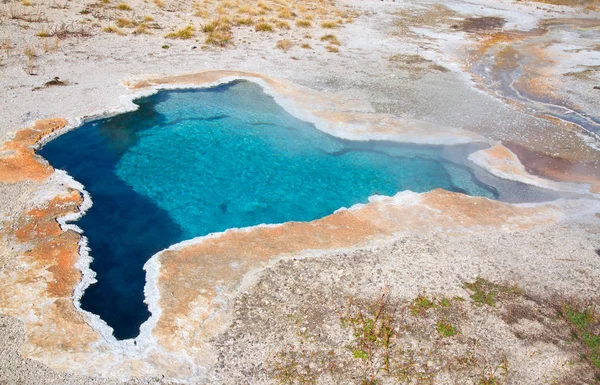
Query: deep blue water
191, 162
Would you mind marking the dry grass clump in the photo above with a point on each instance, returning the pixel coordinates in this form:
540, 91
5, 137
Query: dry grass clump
284, 44
304, 23
219, 38
246, 21
286, 13
184, 33
331, 39
332, 48
49, 47
122, 22
43, 32
283, 25
113, 29
329, 24
221, 24
123, 7
263, 27
30, 52
142, 29
219, 31
305, 46
66, 30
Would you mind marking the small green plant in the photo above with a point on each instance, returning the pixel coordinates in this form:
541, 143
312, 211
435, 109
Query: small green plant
373, 330
30, 53
166, 46
484, 292
288, 367
445, 329
445, 302
184, 33
584, 324
263, 27
420, 305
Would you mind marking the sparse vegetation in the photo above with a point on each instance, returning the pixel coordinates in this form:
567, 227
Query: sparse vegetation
30, 52
122, 22
445, 329
420, 305
283, 25
263, 27
284, 45
331, 39
123, 7
586, 327
373, 330
219, 38
304, 23
484, 292
329, 24
142, 29
43, 33
243, 21
184, 33
219, 32
113, 29
418, 340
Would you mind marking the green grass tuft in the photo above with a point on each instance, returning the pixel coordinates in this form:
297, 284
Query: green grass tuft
445, 329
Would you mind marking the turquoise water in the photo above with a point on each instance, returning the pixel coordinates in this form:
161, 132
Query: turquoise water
191, 162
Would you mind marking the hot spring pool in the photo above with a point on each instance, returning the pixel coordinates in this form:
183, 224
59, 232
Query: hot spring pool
192, 162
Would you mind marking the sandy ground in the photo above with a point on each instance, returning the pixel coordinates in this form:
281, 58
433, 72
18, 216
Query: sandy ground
414, 60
